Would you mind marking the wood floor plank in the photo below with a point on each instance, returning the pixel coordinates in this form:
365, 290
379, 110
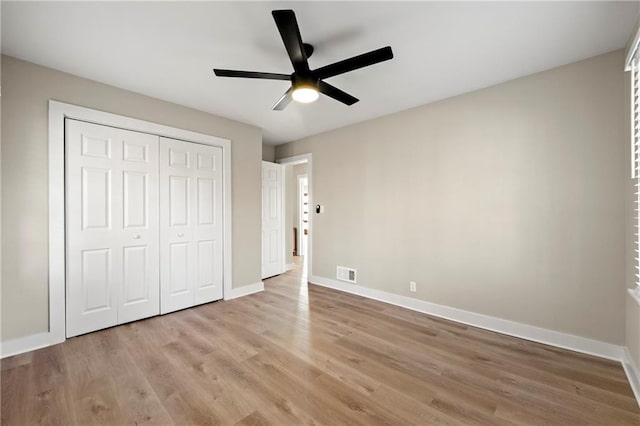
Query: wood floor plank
51, 407
16, 361
138, 401
16, 392
95, 401
207, 383
319, 352
410, 410
530, 394
254, 419
300, 399
303, 354
274, 406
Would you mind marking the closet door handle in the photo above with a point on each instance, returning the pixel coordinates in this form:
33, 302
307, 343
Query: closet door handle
136, 237
180, 235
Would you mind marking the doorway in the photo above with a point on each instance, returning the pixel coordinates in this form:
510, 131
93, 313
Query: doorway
298, 213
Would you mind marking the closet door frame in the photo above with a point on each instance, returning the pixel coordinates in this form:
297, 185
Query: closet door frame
58, 112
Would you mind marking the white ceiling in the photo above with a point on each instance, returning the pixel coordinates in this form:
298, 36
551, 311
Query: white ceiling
167, 50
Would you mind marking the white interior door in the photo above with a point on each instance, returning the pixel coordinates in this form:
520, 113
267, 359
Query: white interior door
190, 224
272, 220
111, 179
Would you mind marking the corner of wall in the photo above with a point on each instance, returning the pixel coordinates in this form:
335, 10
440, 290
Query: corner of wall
268, 153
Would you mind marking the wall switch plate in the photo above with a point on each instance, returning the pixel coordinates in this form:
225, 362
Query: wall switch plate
412, 286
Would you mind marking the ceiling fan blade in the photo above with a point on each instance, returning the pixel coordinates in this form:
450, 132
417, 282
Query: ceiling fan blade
336, 93
290, 33
354, 63
252, 74
283, 101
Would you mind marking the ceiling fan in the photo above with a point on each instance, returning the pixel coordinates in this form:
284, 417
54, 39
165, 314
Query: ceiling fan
306, 84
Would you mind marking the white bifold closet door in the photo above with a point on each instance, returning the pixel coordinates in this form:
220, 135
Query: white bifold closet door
112, 226
144, 225
190, 224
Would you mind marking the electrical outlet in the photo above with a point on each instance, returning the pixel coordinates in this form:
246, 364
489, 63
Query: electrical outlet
412, 286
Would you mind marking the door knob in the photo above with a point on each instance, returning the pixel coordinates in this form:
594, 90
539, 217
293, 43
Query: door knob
136, 237
180, 235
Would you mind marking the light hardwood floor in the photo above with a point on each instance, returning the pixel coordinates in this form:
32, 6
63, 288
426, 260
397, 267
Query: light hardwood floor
297, 354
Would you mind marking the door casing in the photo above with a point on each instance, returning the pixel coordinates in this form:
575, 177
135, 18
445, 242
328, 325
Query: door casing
299, 159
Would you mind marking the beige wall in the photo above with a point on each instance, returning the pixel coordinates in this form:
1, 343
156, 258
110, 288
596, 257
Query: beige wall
299, 169
508, 201
268, 153
26, 89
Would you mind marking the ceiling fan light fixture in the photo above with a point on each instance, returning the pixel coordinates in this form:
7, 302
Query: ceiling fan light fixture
305, 94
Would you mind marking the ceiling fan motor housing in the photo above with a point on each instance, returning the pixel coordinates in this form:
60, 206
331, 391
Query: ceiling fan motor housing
299, 81
308, 49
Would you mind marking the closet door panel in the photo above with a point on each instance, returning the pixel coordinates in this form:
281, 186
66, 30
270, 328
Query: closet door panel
112, 226
140, 237
208, 222
95, 283
191, 224
177, 268
135, 275
92, 201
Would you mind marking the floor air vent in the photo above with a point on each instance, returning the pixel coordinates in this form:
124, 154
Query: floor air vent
346, 274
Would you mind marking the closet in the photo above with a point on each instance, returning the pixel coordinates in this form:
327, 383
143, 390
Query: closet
143, 225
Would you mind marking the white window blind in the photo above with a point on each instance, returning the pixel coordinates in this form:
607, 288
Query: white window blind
632, 63
635, 127
635, 158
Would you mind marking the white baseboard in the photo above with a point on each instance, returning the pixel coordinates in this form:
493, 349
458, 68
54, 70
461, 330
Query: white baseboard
245, 290
25, 344
511, 328
289, 267
632, 372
